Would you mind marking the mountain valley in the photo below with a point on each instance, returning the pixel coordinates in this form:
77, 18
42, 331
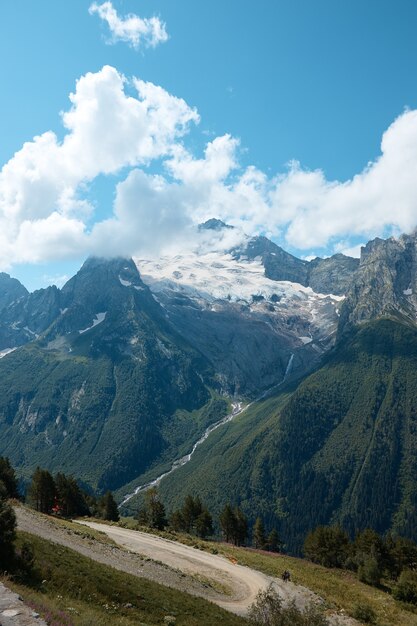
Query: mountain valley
116, 375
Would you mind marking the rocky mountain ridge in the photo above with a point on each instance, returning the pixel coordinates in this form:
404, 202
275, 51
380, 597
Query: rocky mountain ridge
131, 360
385, 282
97, 391
339, 447
228, 305
331, 275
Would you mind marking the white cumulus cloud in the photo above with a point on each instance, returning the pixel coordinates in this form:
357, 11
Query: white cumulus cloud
41, 187
132, 29
149, 213
304, 208
163, 189
382, 197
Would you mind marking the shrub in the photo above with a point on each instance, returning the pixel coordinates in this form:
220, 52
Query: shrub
267, 610
370, 572
364, 613
406, 588
26, 558
328, 546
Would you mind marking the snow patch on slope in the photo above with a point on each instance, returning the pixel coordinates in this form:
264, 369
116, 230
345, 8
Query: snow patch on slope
100, 317
125, 283
3, 353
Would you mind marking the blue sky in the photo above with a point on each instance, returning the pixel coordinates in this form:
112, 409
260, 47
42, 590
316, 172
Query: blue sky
315, 82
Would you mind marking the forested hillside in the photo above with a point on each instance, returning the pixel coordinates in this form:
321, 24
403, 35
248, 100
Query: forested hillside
342, 448
103, 391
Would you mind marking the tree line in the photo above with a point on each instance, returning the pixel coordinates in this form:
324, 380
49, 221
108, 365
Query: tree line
194, 518
370, 555
61, 495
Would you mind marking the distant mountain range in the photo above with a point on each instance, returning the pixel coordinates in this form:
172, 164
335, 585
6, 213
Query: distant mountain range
118, 373
339, 446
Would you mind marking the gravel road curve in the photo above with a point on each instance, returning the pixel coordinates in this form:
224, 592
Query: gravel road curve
213, 577
243, 583
115, 556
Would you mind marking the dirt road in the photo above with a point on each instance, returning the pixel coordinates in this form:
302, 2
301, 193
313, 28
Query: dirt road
231, 586
109, 554
240, 583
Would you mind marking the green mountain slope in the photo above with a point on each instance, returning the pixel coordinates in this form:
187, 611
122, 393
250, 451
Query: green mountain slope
97, 394
226, 466
342, 448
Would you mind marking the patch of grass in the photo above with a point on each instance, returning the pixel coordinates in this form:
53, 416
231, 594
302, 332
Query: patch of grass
80, 592
340, 589
82, 531
210, 583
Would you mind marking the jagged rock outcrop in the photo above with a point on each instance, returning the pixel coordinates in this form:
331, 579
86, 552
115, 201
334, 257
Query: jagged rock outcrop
214, 224
96, 394
35, 312
10, 290
250, 346
24, 319
332, 275
385, 283
278, 264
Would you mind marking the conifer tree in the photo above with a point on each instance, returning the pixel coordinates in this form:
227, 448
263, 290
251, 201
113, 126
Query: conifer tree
176, 521
204, 524
193, 518
228, 523
190, 511
42, 491
8, 477
7, 530
258, 534
70, 497
142, 516
155, 509
274, 543
241, 533
110, 510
